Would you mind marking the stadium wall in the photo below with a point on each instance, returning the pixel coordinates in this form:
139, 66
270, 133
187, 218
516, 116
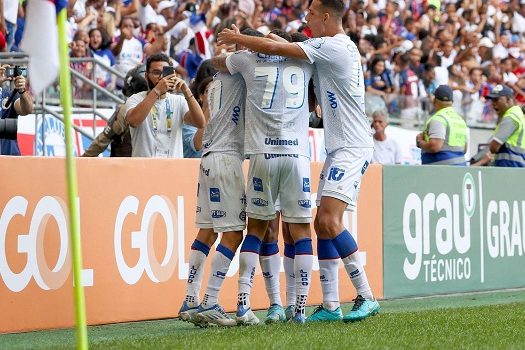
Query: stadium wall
452, 229
137, 225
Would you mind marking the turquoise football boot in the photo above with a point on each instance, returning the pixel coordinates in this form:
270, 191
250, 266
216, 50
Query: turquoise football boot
323, 315
363, 308
275, 314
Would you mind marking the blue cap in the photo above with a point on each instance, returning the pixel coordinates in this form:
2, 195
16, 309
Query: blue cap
444, 93
501, 90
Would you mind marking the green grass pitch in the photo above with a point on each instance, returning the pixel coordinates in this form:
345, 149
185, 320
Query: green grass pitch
489, 320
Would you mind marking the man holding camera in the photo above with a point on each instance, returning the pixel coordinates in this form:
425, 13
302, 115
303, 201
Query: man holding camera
14, 103
156, 116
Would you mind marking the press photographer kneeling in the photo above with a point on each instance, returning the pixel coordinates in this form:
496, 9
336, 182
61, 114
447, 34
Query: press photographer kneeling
15, 102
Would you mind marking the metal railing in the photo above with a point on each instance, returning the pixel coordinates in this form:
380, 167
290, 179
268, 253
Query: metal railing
412, 111
48, 102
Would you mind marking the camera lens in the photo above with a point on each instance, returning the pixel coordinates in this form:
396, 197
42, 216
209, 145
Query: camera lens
8, 129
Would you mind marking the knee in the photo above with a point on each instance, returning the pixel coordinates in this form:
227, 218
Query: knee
328, 226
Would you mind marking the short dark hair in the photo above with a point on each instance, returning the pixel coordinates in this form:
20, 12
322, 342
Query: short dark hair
281, 33
158, 57
203, 85
337, 7
298, 37
252, 32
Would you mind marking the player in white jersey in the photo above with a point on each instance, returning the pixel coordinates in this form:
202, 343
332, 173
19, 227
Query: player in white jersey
221, 199
340, 89
276, 140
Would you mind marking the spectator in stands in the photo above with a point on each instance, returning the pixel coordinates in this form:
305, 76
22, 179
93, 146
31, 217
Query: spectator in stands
444, 137
99, 43
386, 149
192, 136
508, 142
156, 116
378, 84
14, 103
79, 49
128, 50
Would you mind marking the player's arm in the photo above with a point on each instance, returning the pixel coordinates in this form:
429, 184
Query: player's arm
262, 45
219, 63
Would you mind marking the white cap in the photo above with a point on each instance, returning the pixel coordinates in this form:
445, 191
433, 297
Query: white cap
164, 5
486, 42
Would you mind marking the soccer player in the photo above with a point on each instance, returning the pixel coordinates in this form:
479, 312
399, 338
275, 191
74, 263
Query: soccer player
276, 140
221, 199
339, 87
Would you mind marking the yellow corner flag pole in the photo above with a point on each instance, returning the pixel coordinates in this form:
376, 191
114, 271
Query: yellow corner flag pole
65, 96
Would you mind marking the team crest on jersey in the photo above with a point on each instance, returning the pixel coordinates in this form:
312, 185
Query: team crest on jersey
215, 195
316, 43
306, 184
257, 184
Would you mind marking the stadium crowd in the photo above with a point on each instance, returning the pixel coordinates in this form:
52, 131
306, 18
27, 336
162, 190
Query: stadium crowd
408, 47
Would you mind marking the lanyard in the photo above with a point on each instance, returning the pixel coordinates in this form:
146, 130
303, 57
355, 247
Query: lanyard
155, 117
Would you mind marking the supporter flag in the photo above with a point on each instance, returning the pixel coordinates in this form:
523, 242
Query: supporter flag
40, 42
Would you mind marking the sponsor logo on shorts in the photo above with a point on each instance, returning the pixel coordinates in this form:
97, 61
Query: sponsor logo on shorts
306, 184
336, 174
305, 203
215, 195
218, 214
271, 155
198, 210
257, 184
220, 274
365, 166
259, 202
280, 142
242, 216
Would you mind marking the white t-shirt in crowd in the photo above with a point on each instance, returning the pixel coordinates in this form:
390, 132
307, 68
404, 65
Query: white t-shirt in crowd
386, 152
155, 136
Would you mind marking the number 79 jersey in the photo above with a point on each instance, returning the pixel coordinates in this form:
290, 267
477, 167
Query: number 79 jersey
276, 114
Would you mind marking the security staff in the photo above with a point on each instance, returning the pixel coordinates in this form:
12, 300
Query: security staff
507, 144
444, 137
117, 131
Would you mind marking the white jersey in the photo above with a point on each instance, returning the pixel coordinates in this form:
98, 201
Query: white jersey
340, 88
225, 129
156, 136
276, 102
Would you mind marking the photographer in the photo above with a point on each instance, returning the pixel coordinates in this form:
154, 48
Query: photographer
156, 116
14, 103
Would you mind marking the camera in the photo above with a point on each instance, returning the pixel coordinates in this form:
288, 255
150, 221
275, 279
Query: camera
13, 72
8, 128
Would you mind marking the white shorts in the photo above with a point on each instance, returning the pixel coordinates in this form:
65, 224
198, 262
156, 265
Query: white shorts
341, 175
221, 201
279, 175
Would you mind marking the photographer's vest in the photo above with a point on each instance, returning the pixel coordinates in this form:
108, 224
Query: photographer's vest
453, 150
512, 152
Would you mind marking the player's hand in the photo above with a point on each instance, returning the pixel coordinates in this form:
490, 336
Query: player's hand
227, 36
20, 84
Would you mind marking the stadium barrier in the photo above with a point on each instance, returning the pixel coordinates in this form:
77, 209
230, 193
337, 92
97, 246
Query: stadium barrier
137, 228
462, 231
